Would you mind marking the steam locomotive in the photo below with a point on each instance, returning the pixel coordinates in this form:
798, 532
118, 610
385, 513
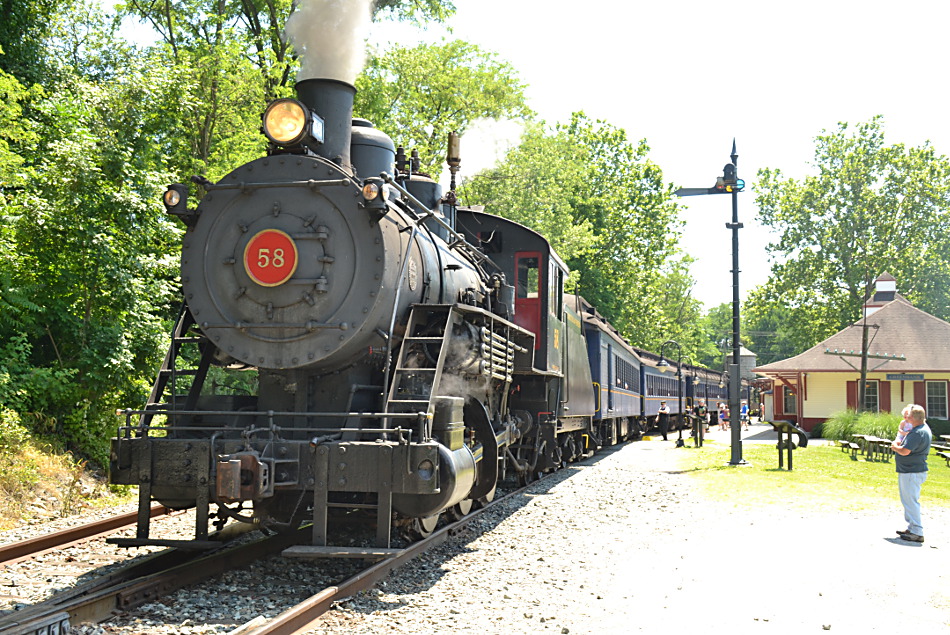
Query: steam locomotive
402, 355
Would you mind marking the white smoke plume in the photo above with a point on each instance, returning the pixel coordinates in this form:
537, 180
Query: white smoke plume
329, 37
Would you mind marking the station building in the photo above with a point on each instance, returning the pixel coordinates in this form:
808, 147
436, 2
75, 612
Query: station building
908, 362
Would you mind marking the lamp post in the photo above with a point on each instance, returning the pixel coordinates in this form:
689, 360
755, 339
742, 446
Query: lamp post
729, 183
662, 366
698, 424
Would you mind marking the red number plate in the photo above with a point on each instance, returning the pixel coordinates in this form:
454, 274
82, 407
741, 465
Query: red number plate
270, 258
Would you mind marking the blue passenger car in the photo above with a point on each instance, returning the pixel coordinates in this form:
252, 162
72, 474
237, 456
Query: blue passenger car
615, 373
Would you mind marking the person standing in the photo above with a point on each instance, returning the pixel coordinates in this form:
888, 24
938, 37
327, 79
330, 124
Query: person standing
910, 460
702, 414
663, 419
744, 415
723, 416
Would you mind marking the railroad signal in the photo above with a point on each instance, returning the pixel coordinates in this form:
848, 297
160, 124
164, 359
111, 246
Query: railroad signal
729, 183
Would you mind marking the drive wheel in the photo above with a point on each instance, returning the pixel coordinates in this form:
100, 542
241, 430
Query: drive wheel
459, 510
487, 498
423, 527
529, 476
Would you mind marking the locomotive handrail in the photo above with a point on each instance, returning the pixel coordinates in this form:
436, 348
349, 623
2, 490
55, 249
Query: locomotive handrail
403, 435
274, 413
311, 183
463, 245
310, 325
270, 414
387, 368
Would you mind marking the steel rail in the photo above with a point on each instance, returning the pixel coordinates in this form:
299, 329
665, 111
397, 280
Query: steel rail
17, 551
159, 575
302, 615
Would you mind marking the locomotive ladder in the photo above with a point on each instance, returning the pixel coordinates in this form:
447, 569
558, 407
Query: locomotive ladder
415, 381
170, 373
167, 382
421, 360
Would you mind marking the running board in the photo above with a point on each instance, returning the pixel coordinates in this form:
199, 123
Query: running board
189, 545
310, 552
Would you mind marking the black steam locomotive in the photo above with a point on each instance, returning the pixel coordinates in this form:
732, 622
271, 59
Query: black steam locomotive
409, 354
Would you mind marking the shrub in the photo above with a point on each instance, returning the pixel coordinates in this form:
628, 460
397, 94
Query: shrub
12, 431
842, 425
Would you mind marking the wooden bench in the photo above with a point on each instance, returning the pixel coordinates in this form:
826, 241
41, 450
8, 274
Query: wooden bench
945, 456
939, 447
849, 446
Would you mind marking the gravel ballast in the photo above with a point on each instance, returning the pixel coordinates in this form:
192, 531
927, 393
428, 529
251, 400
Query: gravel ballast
623, 542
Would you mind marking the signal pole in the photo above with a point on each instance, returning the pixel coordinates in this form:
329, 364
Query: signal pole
729, 183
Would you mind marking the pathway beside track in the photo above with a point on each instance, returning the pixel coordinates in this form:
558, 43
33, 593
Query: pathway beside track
625, 543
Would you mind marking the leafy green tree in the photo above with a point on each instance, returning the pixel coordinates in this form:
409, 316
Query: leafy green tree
419, 94
256, 29
24, 29
871, 208
16, 135
91, 257
418, 11
766, 331
535, 185
606, 210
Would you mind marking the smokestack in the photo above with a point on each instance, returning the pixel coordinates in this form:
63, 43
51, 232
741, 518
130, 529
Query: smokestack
333, 101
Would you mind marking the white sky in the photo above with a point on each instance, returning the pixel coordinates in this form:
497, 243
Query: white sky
689, 75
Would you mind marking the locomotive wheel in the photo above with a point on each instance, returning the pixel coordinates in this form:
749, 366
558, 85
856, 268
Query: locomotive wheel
487, 498
457, 511
529, 476
423, 527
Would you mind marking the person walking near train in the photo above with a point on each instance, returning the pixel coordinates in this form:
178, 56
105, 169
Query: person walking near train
744, 415
910, 460
663, 419
702, 414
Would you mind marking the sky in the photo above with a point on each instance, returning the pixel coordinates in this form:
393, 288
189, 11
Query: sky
691, 76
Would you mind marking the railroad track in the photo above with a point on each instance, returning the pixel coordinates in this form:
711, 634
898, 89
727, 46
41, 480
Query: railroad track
17, 551
153, 577
167, 571
298, 617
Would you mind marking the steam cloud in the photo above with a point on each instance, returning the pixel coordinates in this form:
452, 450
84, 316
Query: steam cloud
329, 37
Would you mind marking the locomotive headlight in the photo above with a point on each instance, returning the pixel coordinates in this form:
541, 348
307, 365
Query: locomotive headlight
374, 196
175, 199
286, 121
171, 198
371, 191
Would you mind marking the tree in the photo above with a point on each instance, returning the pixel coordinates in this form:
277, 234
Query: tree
24, 30
620, 242
256, 29
419, 94
871, 208
92, 244
16, 134
535, 185
418, 11
766, 331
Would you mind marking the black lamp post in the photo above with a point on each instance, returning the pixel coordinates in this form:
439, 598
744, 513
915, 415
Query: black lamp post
698, 424
662, 366
729, 183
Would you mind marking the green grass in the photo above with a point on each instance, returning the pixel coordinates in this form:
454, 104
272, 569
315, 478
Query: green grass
822, 475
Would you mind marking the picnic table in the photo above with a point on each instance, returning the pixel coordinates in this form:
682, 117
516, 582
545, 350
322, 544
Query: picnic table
872, 445
942, 450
